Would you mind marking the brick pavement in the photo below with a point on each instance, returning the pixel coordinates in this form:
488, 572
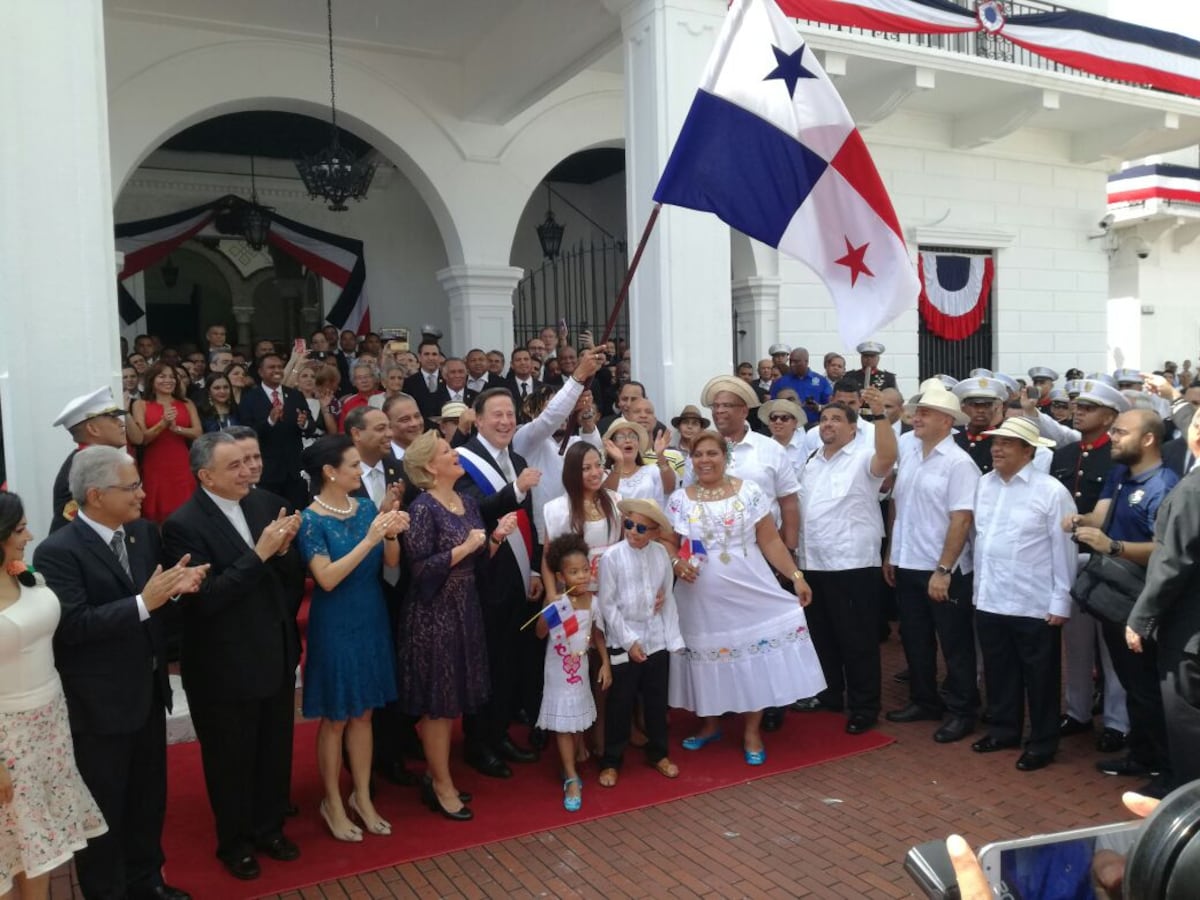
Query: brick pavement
839, 830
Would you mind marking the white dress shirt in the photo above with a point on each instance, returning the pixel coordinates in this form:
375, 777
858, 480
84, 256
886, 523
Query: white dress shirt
397, 450
232, 510
527, 384
1024, 561
456, 396
841, 527
812, 437
374, 480
106, 535
478, 385
504, 461
271, 393
928, 489
630, 582
762, 460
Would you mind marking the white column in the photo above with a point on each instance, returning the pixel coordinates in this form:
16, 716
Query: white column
58, 316
680, 318
756, 305
481, 306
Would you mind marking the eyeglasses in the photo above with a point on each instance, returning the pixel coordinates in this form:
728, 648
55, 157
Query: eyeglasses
781, 417
128, 488
625, 436
631, 525
1060, 404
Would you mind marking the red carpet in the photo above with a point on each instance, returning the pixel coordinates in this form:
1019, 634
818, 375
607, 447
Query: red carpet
530, 801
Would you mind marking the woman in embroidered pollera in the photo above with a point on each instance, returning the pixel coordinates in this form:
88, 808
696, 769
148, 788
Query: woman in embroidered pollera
747, 640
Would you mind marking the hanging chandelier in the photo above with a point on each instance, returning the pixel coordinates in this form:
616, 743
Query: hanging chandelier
332, 174
256, 219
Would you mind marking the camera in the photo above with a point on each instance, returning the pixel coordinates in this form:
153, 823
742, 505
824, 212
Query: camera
1106, 222
1139, 247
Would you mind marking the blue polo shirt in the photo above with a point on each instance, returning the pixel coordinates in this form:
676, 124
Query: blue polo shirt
1136, 499
807, 387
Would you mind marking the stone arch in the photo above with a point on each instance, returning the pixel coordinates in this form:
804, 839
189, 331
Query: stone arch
181, 90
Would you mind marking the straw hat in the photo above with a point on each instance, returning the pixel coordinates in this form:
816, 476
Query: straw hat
1023, 430
790, 407
730, 383
936, 397
626, 425
690, 412
451, 410
648, 508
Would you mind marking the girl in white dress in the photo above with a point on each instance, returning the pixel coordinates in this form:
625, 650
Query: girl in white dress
747, 640
567, 706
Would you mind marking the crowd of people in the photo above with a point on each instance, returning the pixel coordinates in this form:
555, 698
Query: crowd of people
746, 559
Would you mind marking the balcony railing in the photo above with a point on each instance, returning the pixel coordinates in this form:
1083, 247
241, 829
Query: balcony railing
979, 44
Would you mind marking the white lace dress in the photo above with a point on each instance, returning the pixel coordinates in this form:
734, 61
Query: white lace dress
748, 645
567, 704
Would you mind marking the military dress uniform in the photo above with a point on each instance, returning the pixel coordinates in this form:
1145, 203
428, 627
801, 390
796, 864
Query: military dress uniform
880, 378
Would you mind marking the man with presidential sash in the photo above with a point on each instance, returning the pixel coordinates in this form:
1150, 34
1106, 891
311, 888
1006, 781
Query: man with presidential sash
501, 482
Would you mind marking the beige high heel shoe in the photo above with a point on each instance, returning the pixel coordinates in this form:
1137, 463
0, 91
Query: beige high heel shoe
350, 834
380, 827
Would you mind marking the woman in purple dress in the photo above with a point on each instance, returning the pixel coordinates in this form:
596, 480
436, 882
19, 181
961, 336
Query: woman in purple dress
442, 652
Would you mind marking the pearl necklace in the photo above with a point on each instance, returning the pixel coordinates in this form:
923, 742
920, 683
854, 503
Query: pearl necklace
333, 509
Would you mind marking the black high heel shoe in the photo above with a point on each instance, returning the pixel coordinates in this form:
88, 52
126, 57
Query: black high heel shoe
427, 781
430, 798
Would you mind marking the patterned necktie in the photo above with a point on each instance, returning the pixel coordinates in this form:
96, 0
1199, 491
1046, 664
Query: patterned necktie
117, 545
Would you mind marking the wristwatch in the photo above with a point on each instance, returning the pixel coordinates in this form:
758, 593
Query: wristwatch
942, 570
1115, 548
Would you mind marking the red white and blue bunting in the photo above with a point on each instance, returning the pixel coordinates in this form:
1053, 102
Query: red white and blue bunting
335, 258
1095, 44
1167, 183
954, 292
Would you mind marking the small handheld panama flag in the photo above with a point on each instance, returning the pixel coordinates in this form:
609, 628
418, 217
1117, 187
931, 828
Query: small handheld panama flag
693, 552
769, 147
560, 618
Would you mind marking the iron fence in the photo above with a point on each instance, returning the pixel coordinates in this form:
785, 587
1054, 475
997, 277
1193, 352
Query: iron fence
580, 286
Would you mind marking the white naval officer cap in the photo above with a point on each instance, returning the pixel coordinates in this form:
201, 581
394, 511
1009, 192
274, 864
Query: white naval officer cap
870, 347
980, 389
1039, 372
1100, 394
1127, 376
89, 406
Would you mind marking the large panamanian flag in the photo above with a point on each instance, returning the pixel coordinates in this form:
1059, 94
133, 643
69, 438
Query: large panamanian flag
769, 147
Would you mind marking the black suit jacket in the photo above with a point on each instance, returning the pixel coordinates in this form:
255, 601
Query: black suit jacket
1174, 455
505, 583
429, 402
109, 660
515, 390
239, 630
62, 493
280, 443
393, 473
1169, 606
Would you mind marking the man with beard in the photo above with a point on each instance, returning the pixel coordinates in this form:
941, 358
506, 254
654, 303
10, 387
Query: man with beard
1133, 492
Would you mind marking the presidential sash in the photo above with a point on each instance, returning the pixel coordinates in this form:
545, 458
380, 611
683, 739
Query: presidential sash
490, 481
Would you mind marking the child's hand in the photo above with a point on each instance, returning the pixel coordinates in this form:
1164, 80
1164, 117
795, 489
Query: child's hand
659, 599
636, 653
604, 679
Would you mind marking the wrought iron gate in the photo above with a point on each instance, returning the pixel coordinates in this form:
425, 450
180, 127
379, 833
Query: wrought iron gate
580, 286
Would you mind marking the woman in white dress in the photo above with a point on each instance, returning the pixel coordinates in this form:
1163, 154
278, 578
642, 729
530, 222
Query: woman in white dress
748, 645
46, 811
631, 477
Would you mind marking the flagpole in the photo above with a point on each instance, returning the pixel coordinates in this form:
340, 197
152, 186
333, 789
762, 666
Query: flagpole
622, 294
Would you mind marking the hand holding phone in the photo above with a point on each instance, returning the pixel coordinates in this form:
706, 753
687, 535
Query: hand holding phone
299, 347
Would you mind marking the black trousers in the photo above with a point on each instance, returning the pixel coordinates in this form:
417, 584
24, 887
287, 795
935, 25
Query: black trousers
485, 730
1139, 675
1180, 686
631, 680
246, 750
1022, 660
844, 622
127, 775
923, 626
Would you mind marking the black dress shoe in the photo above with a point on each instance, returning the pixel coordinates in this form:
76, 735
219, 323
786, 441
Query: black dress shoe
955, 729
240, 865
1068, 726
858, 723
396, 773
989, 744
430, 798
1111, 741
772, 719
489, 764
1031, 762
1125, 765
278, 848
427, 784
166, 892
914, 713
510, 752
1158, 787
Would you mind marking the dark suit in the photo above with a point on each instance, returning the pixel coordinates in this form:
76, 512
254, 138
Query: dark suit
1168, 611
880, 378
514, 663
1177, 457
62, 492
280, 442
428, 402
114, 676
515, 390
240, 650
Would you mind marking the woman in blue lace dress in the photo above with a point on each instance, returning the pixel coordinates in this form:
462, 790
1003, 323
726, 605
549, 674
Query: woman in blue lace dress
349, 666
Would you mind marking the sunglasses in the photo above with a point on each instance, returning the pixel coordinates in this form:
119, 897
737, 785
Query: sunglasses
631, 525
781, 417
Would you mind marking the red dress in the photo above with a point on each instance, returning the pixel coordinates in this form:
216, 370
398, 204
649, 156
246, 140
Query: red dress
166, 475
